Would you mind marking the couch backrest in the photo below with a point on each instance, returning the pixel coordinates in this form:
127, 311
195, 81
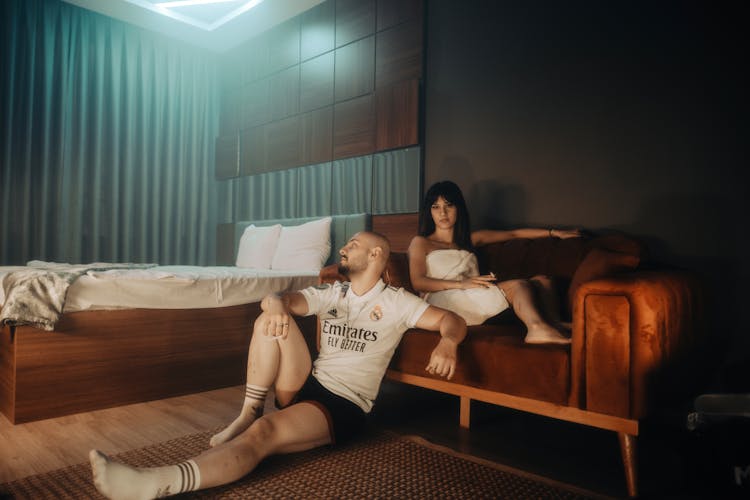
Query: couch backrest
524, 258
573, 261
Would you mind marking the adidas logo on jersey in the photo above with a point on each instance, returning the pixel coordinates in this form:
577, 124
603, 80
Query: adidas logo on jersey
333, 312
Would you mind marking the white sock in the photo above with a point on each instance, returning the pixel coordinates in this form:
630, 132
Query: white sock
255, 395
252, 408
122, 482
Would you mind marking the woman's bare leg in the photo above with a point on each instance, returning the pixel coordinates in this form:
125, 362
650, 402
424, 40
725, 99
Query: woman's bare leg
520, 294
300, 427
283, 361
549, 301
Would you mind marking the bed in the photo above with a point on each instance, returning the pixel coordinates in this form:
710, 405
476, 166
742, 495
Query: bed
133, 335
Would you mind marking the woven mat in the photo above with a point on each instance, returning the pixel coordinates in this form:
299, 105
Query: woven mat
384, 465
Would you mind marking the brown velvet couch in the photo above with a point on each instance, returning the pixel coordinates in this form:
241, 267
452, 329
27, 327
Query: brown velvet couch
630, 321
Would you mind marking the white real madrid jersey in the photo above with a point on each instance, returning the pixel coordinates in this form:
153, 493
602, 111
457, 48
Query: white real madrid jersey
359, 335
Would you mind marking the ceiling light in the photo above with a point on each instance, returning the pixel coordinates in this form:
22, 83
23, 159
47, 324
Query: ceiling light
164, 8
183, 3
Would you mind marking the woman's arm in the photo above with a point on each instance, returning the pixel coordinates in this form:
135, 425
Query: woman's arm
418, 250
487, 236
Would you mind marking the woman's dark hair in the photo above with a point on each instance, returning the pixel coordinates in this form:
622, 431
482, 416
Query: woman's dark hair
452, 194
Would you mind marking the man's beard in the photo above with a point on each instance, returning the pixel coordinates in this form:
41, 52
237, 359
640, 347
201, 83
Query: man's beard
343, 269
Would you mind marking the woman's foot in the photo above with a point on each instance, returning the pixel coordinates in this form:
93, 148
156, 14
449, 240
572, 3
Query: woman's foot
545, 334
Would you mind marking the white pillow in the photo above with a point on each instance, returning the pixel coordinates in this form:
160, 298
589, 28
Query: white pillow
306, 246
257, 246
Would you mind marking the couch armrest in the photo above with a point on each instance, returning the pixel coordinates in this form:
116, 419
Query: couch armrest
627, 332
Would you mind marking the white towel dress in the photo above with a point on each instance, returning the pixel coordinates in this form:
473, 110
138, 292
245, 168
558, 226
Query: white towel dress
475, 305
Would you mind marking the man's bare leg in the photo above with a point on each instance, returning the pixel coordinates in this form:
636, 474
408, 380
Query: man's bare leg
299, 427
521, 297
283, 361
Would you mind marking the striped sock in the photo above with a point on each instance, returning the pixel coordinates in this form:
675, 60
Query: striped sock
190, 476
117, 480
255, 397
252, 408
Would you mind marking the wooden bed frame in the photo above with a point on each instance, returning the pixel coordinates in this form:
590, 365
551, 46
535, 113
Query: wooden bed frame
101, 359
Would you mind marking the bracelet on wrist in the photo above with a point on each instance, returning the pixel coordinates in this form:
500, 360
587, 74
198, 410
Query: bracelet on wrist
550, 233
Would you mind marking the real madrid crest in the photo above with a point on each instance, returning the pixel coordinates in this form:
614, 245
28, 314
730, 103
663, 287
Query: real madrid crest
376, 313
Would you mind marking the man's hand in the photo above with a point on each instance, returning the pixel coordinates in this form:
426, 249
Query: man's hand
277, 311
276, 325
443, 359
452, 330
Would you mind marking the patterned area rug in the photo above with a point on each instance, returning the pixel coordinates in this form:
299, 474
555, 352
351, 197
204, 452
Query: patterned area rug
384, 465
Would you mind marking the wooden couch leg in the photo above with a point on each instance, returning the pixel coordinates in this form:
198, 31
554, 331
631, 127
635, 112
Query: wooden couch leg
464, 415
628, 450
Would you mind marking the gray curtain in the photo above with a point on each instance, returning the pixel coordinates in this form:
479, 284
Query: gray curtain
106, 140
382, 183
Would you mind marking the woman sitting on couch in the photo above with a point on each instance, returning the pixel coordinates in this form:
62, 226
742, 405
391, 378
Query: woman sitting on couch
443, 267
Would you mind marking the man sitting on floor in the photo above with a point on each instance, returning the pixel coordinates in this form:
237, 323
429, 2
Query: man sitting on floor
325, 402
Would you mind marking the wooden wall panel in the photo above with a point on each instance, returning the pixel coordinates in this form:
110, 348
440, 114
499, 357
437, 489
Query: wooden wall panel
399, 228
230, 114
256, 108
355, 69
252, 151
284, 93
283, 143
354, 127
227, 161
316, 82
317, 30
252, 61
398, 115
355, 19
393, 12
282, 50
333, 74
317, 136
399, 54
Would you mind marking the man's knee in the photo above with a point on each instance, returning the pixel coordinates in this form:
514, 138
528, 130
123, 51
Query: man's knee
263, 430
512, 287
543, 280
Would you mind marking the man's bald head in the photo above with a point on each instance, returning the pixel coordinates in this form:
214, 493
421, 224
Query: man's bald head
366, 250
376, 240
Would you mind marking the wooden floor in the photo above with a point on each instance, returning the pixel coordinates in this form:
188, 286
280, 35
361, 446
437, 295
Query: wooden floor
35, 447
581, 456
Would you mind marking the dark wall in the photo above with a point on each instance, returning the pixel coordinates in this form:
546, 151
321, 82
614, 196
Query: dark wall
601, 115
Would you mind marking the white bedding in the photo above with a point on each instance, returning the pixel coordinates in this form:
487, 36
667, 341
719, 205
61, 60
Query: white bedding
175, 287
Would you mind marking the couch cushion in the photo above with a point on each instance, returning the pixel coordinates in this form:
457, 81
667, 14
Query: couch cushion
494, 357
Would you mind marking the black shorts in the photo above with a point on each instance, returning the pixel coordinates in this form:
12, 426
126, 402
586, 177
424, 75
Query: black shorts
345, 419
